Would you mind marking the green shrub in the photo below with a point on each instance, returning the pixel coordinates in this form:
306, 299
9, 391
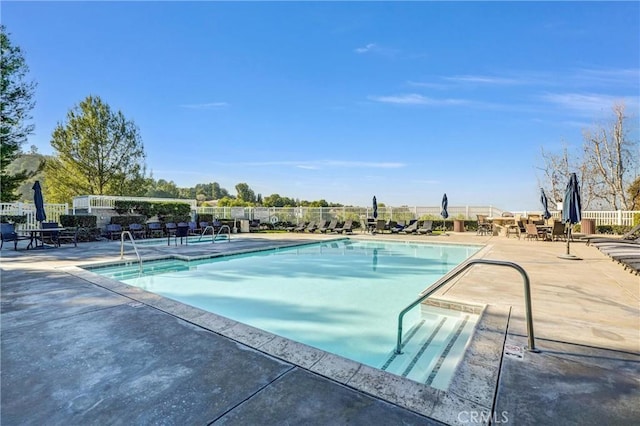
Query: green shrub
125, 221
82, 221
13, 219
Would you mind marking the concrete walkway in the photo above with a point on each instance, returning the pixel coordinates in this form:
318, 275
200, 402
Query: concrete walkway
77, 351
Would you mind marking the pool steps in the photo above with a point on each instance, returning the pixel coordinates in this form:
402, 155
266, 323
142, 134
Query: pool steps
431, 344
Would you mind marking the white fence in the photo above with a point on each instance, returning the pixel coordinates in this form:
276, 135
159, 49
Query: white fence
53, 212
87, 203
93, 204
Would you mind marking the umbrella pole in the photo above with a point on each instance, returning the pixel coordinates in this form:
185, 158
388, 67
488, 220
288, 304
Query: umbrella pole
569, 256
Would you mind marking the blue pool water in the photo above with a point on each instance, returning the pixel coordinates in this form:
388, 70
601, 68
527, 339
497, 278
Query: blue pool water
342, 297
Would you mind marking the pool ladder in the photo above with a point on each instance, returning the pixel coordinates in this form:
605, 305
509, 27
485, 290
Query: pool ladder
134, 247
215, 235
457, 271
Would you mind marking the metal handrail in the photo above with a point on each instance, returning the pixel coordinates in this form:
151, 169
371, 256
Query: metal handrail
214, 235
204, 231
228, 235
457, 271
134, 247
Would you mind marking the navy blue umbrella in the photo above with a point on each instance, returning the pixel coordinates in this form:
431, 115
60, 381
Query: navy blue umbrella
571, 208
38, 200
375, 207
444, 213
545, 205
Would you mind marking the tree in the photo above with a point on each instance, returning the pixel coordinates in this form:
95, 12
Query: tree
609, 157
16, 102
606, 166
245, 193
634, 194
97, 152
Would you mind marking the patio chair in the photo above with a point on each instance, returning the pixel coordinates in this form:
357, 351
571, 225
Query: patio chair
181, 231
193, 228
9, 234
329, 228
170, 228
154, 229
381, 226
399, 226
254, 225
203, 225
558, 231
114, 231
137, 230
532, 231
346, 228
426, 228
484, 226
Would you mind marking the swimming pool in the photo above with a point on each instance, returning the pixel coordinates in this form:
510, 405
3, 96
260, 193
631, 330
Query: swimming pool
342, 297
192, 239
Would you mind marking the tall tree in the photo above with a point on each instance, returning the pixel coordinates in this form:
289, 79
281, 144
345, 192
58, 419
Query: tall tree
245, 193
607, 164
609, 158
97, 152
16, 103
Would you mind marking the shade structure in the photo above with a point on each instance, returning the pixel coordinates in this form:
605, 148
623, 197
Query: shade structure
38, 200
545, 205
375, 207
571, 210
444, 213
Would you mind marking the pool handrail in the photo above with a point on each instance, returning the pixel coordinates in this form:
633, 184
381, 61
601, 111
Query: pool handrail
228, 234
215, 235
122, 235
457, 271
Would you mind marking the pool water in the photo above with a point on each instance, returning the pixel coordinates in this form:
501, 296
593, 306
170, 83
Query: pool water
342, 297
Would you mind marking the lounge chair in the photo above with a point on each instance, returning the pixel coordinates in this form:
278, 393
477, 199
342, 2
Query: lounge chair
346, 228
300, 227
632, 234
254, 225
319, 224
399, 226
411, 229
329, 228
9, 233
426, 228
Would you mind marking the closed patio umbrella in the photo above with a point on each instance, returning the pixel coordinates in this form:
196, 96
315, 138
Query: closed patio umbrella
545, 205
375, 207
571, 210
38, 200
444, 213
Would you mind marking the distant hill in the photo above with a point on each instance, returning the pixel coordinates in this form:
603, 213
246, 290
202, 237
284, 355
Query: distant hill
30, 163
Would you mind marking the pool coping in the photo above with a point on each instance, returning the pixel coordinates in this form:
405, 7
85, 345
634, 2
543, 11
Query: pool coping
472, 389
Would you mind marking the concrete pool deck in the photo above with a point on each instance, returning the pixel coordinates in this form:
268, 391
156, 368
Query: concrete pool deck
77, 352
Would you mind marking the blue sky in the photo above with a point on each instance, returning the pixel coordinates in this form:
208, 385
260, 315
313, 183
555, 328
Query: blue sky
340, 100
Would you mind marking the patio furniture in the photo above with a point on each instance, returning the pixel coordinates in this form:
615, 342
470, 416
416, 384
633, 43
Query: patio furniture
137, 230
329, 228
426, 228
484, 225
9, 234
347, 227
154, 229
114, 231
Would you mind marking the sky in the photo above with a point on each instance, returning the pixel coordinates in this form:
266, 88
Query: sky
340, 100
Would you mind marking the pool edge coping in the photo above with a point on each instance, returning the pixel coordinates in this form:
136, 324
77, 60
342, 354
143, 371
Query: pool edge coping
474, 382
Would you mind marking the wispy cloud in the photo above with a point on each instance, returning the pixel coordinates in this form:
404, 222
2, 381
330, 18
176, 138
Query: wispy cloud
438, 86
208, 105
586, 103
416, 99
484, 79
368, 48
